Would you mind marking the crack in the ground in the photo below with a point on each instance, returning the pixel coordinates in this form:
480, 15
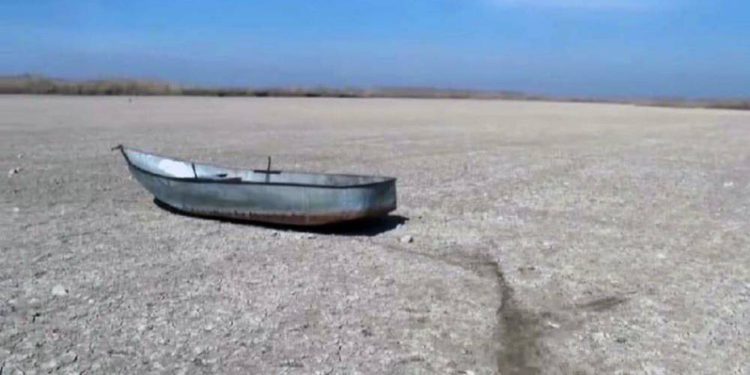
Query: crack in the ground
517, 332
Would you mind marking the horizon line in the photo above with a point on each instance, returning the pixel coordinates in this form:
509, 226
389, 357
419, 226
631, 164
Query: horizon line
118, 86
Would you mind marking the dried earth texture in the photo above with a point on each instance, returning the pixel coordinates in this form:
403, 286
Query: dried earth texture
545, 238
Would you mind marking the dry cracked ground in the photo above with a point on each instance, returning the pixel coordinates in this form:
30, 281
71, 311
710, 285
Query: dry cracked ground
548, 238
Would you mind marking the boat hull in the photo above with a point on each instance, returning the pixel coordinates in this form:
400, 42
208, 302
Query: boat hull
286, 204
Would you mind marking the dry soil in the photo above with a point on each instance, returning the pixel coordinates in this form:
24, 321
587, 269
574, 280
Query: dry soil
547, 238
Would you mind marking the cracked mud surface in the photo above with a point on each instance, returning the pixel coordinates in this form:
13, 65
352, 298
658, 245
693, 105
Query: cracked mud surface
548, 238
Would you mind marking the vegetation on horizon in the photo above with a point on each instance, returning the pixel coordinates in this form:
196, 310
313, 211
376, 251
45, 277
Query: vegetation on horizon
31, 84
40, 85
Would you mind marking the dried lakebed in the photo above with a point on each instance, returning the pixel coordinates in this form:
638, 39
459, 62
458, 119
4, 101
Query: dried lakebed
530, 238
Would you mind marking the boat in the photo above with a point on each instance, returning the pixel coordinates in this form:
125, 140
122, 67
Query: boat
264, 196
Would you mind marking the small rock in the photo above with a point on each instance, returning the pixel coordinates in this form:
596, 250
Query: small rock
210, 361
599, 337
50, 365
292, 363
16, 210
19, 156
59, 291
14, 171
274, 234
407, 239
651, 369
621, 340
552, 324
68, 358
728, 184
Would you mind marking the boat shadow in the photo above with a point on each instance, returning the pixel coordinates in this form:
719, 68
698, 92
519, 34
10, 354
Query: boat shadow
363, 227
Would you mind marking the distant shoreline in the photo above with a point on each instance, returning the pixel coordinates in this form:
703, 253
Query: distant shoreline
40, 85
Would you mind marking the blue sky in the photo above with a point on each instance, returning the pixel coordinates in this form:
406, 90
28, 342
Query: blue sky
610, 48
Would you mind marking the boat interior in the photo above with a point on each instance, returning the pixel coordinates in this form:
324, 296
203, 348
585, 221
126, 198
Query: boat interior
182, 169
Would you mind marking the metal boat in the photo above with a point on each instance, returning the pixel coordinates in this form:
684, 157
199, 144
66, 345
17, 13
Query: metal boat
268, 196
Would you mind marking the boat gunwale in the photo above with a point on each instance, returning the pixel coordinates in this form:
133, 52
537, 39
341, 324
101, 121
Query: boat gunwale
199, 180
